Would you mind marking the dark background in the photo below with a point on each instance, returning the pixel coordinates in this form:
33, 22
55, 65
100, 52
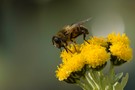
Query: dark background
27, 58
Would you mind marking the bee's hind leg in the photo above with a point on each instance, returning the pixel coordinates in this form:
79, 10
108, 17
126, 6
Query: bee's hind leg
84, 36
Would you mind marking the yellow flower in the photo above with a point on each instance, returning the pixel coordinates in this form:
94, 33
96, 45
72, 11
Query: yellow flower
114, 38
98, 41
62, 72
74, 48
65, 55
122, 51
95, 55
73, 64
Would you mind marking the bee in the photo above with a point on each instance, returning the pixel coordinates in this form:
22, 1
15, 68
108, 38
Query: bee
69, 33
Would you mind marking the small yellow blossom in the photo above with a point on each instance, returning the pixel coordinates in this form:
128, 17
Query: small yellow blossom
74, 48
114, 38
98, 41
65, 55
62, 72
122, 51
95, 55
75, 63
71, 62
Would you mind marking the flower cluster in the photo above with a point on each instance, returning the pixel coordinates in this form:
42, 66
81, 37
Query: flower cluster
119, 48
93, 54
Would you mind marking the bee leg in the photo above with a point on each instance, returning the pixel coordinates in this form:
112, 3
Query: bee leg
87, 41
66, 43
71, 37
84, 35
67, 49
75, 47
74, 42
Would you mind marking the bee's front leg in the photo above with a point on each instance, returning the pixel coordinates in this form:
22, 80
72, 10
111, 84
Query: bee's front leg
67, 49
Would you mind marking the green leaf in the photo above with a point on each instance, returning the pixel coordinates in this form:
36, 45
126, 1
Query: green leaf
117, 86
118, 77
124, 80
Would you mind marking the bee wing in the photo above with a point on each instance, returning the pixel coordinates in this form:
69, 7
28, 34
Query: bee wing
81, 22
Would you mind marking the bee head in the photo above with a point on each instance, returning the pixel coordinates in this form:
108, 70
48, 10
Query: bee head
56, 41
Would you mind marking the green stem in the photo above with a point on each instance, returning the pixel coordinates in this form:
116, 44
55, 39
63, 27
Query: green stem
100, 75
112, 73
84, 86
96, 80
90, 80
111, 76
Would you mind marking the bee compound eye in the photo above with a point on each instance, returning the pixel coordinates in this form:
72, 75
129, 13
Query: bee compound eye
57, 40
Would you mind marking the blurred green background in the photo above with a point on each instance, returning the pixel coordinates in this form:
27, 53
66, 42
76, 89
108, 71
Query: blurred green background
28, 59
